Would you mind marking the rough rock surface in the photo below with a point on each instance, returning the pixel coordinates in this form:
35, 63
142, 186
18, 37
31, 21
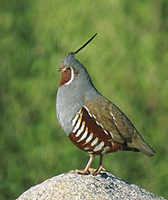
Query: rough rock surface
104, 186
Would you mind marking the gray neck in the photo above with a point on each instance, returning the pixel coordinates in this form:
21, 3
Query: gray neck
70, 98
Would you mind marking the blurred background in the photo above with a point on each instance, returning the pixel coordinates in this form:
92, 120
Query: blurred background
128, 63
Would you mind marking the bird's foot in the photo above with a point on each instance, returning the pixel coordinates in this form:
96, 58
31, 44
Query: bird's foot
79, 171
96, 171
89, 171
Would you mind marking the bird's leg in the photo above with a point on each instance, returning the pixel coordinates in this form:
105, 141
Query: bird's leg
86, 170
100, 167
89, 162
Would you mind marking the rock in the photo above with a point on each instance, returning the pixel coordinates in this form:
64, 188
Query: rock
69, 186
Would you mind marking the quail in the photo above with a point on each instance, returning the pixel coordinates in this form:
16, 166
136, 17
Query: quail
92, 122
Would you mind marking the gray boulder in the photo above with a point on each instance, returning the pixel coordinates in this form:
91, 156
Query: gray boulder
69, 186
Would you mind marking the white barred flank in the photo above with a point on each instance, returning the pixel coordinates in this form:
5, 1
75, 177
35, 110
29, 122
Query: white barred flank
86, 148
90, 152
81, 129
112, 142
105, 149
89, 138
95, 141
80, 111
78, 124
83, 136
99, 146
75, 119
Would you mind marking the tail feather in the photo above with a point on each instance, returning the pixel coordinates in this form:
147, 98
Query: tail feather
145, 148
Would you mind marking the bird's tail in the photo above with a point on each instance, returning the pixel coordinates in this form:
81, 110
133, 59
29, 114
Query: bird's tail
145, 148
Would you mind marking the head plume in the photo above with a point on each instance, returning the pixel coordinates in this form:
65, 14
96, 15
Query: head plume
70, 59
86, 43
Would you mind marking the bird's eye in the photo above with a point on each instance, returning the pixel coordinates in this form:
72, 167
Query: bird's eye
68, 68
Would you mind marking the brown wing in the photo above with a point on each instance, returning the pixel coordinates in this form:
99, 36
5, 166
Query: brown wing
112, 119
120, 127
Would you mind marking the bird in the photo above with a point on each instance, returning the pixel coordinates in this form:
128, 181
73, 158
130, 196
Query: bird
92, 122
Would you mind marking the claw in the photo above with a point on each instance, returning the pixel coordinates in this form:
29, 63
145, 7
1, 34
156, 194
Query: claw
96, 171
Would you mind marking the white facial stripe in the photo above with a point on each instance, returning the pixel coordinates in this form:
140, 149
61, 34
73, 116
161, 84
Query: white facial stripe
81, 129
99, 146
72, 77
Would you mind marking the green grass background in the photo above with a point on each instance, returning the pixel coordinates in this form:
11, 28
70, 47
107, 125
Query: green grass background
128, 63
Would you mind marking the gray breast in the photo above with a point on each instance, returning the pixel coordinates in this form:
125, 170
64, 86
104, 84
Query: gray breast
68, 104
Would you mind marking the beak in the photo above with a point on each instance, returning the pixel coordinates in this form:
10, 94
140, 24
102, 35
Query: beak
59, 69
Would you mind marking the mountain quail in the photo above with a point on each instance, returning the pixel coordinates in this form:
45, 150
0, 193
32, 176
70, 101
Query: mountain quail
92, 122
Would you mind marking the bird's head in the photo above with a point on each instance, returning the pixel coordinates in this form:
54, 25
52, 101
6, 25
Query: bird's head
71, 68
